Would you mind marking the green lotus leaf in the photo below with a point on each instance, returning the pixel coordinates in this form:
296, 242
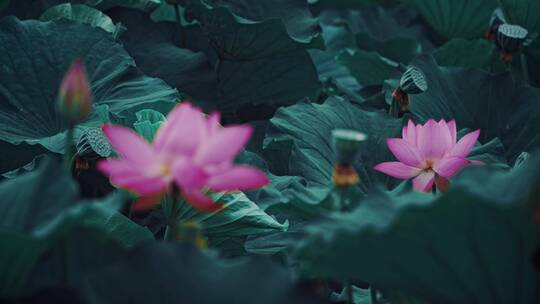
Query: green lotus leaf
32, 9
160, 55
33, 67
84, 14
477, 53
456, 18
276, 62
369, 68
178, 271
522, 12
441, 248
44, 221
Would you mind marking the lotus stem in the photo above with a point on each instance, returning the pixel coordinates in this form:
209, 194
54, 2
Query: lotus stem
349, 292
179, 25
506, 12
524, 68
342, 199
69, 152
373, 293
172, 221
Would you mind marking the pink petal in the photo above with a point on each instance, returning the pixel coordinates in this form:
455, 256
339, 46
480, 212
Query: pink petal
224, 145
409, 133
453, 131
212, 123
188, 175
424, 181
447, 138
449, 166
200, 201
182, 132
476, 162
404, 151
238, 178
465, 144
127, 176
432, 140
397, 170
130, 145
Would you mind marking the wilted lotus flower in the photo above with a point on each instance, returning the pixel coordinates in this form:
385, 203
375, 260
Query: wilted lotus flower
195, 153
75, 96
429, 154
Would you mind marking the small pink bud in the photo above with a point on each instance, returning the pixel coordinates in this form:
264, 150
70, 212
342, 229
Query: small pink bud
75, 96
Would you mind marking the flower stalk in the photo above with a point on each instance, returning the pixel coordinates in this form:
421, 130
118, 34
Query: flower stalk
69, 148
179, 25
172, 215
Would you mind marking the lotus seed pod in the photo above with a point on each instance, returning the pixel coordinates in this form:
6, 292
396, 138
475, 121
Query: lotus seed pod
497, 19
413, 81
510, 38
347, 144
93, 144
75, 97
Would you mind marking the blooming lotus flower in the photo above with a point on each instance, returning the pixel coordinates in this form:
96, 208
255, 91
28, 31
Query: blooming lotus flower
75, 96
192, 151
429, 154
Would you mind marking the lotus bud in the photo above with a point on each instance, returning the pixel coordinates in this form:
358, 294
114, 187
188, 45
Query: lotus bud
510, 39
347, 146
75, 96
497, 19
413, 82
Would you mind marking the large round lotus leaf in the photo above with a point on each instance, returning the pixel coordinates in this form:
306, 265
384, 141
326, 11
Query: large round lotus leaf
295, 14
33, 66
32, 9
472, 244
178, 272
456, 18
49, 236
223, 62
160, 55
495, 104
83, 14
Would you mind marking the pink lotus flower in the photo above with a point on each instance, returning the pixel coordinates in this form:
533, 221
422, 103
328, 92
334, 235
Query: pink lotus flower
429, 154
75, 96
194, 152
